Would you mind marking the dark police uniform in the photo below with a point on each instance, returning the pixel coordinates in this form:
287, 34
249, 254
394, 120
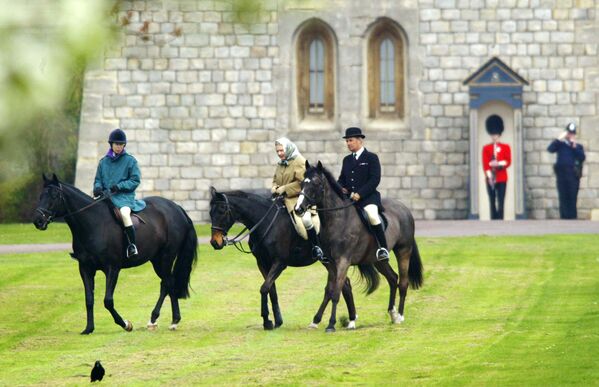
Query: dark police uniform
363, 177
568, 182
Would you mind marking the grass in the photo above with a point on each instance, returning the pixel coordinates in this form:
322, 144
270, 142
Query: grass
493, 311
59, 233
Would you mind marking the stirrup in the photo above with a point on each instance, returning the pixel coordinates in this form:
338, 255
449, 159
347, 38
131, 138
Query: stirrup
317, 254
382, 254
131, 250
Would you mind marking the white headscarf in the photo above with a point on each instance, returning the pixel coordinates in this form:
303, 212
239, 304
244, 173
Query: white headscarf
291, 151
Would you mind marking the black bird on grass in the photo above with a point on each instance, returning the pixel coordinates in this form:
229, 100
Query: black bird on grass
97, 372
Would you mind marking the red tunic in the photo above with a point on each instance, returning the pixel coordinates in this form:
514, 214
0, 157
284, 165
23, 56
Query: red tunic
502, 153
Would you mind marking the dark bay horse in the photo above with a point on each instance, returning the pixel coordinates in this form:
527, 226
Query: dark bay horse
346, 240
167, 239
274, 243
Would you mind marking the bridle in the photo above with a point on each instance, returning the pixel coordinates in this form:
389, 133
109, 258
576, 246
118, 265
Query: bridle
50, 216
237, 239
313, 202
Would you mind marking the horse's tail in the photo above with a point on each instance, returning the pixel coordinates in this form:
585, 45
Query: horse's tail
186, 260
369, 274
415, 269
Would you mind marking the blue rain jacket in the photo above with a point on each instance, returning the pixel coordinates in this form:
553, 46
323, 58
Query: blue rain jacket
123, 172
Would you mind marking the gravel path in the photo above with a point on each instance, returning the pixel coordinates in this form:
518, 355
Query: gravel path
424, 228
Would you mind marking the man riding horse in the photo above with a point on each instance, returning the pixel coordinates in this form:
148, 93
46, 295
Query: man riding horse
359, 178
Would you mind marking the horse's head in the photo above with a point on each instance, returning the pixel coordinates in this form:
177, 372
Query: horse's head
51, 203
312, 188
221, 216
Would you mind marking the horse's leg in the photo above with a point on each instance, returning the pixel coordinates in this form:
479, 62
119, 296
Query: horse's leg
403, 263
174, 303
273, 273
387, 271
88, 277
342, 266
112, 276
325, 301
348, 296
276, 309
152, 324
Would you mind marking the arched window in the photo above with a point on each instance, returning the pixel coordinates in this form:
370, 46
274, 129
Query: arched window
315, 76
386, 79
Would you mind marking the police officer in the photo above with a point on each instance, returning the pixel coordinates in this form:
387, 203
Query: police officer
568, 170
359, 178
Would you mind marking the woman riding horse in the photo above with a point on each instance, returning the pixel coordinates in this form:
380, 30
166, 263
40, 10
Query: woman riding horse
286, 181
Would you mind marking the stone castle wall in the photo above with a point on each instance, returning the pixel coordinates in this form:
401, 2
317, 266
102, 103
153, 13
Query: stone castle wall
202, 97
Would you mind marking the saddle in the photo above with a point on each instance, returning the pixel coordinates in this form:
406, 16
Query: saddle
364, 218
135, 219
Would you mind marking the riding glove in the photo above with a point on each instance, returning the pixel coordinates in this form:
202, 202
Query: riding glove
114, 189
97, 191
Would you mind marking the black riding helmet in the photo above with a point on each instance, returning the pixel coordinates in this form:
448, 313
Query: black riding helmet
117, 136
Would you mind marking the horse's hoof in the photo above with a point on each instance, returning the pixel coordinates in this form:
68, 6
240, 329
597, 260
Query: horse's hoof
172, 327
351, 324
313, 325
330, 330
152, 326
87, 331
268, 326
398, 319
278, 324
128, 326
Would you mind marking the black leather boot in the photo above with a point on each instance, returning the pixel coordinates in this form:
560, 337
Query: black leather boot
382, 253
131, 248
316, 250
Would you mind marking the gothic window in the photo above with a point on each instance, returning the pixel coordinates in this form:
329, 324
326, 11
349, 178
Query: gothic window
315, 76
386, 88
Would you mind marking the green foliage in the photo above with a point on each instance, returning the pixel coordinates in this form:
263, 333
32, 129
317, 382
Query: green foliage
523, 312
45, 48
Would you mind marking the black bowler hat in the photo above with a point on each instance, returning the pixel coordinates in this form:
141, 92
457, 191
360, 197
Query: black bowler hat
571, 128
494, 125
353, 132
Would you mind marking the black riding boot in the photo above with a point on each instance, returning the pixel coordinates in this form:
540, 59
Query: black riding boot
131, 248
316, 250
382, 253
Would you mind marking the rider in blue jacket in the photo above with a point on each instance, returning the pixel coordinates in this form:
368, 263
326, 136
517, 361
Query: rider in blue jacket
119, 173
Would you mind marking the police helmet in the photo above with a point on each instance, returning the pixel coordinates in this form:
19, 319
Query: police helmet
571, 128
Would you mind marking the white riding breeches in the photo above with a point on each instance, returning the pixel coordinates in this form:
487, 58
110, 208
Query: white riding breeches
372, 211
126, 215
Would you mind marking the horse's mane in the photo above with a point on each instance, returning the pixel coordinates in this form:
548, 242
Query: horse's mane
331, 179
76, 190
244, 195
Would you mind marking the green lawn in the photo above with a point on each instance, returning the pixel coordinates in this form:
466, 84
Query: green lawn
59, 233
493, 311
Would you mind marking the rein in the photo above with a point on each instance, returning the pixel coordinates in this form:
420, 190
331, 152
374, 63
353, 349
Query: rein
351, 203
237, 239
49, 217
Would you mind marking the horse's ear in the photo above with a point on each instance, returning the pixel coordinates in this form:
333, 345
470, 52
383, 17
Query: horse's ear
44, 177
212, 191
307, 164
319, 165
54, 178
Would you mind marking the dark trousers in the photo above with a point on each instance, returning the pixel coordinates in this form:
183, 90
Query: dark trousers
567, 191
496, 199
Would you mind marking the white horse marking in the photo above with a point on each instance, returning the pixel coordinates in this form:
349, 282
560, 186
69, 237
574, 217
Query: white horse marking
313, 326
172, 327
152, 326
351, 324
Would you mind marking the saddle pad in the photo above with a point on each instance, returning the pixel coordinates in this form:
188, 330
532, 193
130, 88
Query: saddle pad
135, 219
364, 218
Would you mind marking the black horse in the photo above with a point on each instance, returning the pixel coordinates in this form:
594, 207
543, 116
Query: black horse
273, 241
166, 238
347, 241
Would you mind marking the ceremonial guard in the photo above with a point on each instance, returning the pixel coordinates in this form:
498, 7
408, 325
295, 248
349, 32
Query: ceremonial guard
496, 157
359, 178
568, 170
119, 173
